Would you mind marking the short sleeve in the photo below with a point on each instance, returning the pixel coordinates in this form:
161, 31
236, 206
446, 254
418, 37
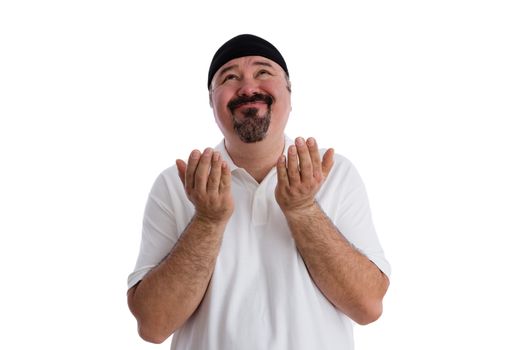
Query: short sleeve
166, 215
351, 211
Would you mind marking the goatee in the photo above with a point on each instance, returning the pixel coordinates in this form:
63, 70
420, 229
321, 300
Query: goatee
252, 128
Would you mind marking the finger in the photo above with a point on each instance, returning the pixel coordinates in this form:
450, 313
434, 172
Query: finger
203, 170
293, 166
328, 161
214, 178
282, 176
181, 167
315, 157
226, 178
193, 160
305, 163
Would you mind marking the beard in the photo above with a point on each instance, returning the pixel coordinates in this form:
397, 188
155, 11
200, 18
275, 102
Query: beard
252, 127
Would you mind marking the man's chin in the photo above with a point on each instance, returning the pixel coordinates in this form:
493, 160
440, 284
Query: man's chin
252, 130
252, 127
251, 138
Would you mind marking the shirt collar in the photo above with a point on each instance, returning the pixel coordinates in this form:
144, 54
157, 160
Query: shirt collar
221, 147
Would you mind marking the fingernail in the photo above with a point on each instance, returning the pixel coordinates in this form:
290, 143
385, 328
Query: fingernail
194, 154
299, 141
215, 156
311, 141
292, 149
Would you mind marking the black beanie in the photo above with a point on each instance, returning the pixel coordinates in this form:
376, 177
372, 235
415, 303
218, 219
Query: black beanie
241, 46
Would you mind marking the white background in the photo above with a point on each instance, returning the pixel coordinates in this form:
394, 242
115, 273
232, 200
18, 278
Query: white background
426, 98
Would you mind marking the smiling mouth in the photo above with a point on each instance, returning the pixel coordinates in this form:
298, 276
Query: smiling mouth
250, 102
246, 105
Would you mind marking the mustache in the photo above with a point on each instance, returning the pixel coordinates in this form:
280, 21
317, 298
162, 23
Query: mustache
257, 97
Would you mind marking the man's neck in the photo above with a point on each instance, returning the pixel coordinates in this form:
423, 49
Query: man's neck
256, 158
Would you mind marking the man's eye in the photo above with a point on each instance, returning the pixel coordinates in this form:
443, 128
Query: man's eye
230, 77
262, 72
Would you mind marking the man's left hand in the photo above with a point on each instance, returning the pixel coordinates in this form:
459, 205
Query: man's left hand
300, 178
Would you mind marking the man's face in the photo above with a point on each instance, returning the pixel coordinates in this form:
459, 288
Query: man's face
250, 97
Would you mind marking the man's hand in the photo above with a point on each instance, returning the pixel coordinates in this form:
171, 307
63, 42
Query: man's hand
299, 181
207, 181
171, 292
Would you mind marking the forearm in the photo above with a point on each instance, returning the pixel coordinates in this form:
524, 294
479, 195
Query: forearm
170, 293
345, 276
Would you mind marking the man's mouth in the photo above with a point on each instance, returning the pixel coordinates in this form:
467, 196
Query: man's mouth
254, 101
248, 105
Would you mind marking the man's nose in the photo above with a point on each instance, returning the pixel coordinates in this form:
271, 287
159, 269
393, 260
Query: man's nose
248, 87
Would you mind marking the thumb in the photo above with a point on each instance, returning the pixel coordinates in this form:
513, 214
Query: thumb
181, 167
328, 161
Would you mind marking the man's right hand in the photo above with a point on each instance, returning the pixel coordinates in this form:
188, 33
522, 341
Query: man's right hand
171, 292
207, 181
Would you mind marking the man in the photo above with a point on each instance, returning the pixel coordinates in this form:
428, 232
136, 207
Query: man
262, 242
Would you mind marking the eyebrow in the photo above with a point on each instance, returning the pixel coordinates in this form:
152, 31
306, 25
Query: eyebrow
256, 63
225, 69
263, 63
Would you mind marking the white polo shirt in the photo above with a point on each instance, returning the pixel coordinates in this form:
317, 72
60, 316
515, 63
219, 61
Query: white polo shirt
260, 295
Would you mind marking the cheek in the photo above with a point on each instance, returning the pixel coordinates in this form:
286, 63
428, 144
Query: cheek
219, 102
278, 90
282, 100
221, 111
